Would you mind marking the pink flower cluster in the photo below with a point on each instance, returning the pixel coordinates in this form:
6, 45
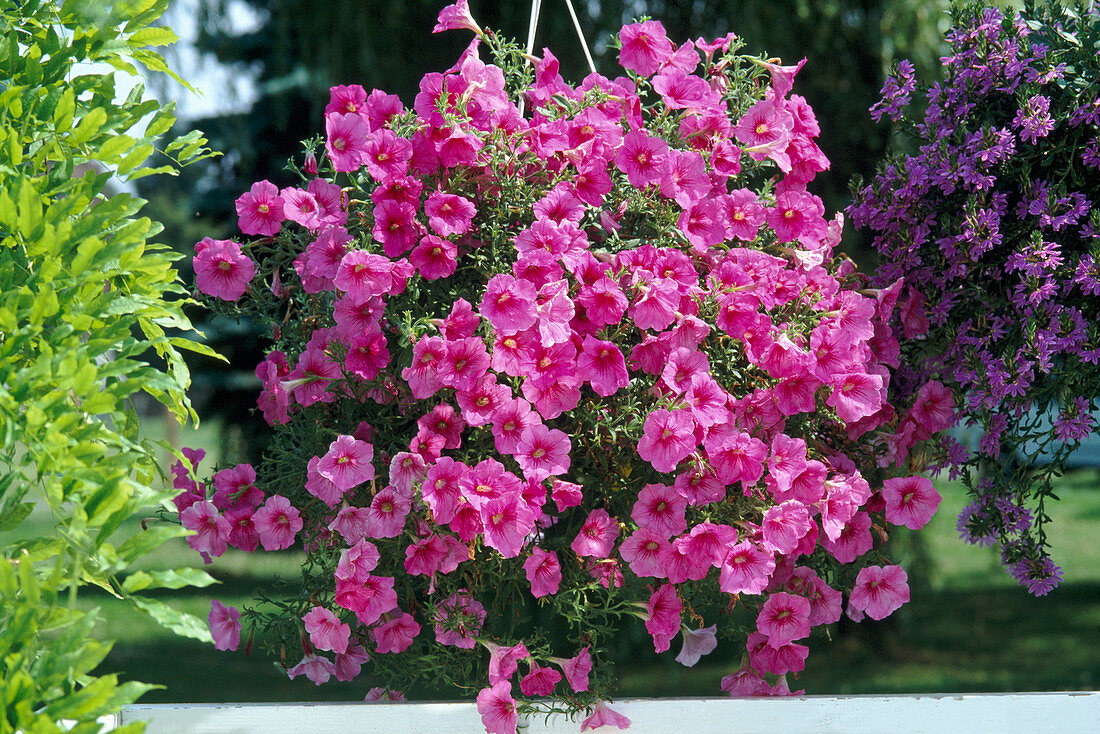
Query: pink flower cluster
654, 377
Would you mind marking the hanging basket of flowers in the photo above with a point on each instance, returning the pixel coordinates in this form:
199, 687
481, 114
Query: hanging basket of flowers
551, 362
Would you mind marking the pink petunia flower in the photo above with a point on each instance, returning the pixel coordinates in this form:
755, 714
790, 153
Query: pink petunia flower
301, 207
910, 501
745, 214
369, 599
348, 664
543, 571
566, 494
746, 569
386, 516
856, 395
697, 643
221, 269
745, 682
318, 669
383, 695
498, 708
660, 508
789, 658
506, 523
509, 304
663, 616
457, 16
347, 463
737, 457
542, 452
766, 130
242, 531
576, 669
504, 660
603, 365
235, 488
225, 626
785, 525
357, 562
668, 438
646, 552
798, 215
449, 213
880, 590
642, 158
540, 681
211, 528
386, 155
422, 373
784, 618
260, 210
435, 257
277, 522
346, 140
645, 46
395, 635
326, 631
597, 535
603, 715
853, 541
464, 362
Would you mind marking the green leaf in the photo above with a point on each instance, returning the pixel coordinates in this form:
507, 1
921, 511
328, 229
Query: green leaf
147, 540
30, 209
171, 579
196, 347
155, 36
113, 148
110, 497
133, 158
88, 126
182, 623
66, 108
84, 701
10, 517
99, 403
155, 62
162, 121
39, 549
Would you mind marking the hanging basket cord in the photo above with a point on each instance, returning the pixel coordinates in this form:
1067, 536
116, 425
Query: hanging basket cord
580, 35
536, 9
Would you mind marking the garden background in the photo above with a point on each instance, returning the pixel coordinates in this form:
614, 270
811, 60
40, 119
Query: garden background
268, 66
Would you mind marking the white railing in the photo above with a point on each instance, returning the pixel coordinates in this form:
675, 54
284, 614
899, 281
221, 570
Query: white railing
997, 713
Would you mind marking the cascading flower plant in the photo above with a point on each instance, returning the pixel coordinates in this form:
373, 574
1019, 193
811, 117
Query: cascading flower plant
991, 221
536, 376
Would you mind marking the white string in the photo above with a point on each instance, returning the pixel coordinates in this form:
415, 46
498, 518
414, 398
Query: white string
536, 8
580, 35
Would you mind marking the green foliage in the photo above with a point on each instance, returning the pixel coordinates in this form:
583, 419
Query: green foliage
88, 305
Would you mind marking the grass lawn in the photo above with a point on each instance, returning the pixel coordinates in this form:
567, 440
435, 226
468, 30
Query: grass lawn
967, 628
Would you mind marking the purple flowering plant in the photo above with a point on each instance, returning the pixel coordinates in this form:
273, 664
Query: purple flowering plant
987, 217
549, 361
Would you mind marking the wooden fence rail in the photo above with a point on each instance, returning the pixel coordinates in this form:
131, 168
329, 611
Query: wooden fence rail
1061, 713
